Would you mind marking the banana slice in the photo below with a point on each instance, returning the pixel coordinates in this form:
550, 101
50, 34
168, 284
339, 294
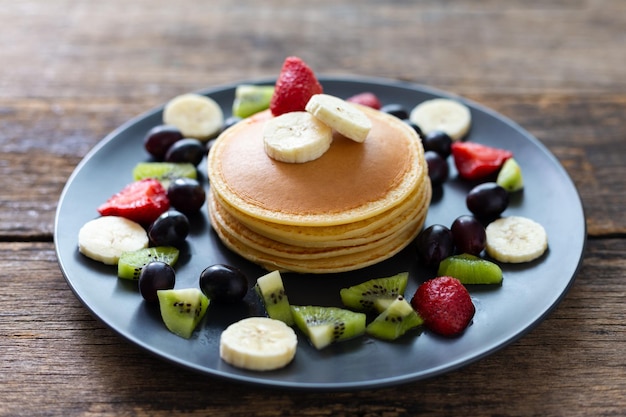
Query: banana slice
258, 344
516, 239
104, 239
196, 116
340, 115
449, 116
296, 137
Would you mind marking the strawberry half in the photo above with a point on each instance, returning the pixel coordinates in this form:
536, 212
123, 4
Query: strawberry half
445, 305
475, 161
141, 201
366, 99
294, 87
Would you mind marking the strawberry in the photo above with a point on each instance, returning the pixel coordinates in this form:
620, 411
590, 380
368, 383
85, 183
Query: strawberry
141, 201
366, 99
445, 305
475, 161
294, 87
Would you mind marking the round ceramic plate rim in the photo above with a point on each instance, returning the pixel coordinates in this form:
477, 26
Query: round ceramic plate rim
258, 379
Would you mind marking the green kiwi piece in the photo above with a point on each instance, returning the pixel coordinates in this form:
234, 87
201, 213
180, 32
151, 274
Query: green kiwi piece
182, 309
395, 321
271, 290
327, 325
376, 294
510, 176
165, 172
251, 99
470, 269
131, 263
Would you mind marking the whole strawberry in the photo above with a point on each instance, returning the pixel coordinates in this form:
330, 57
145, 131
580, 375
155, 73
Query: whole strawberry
294, 87
141, 201
445, 305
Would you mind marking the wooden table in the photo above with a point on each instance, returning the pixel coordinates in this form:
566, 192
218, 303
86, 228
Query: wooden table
74, 70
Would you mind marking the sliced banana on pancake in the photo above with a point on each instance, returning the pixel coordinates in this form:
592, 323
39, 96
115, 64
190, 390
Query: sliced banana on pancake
442, 114
340, 115
296, 137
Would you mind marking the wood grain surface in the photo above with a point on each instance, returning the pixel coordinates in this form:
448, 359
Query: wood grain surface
74, 70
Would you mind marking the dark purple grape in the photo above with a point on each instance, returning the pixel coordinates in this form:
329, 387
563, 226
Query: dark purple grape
487, 200
439, 142
469, 235
223, 283
414, 127
434, 244
169, 229
437, 168
186, 195
186, 150
159, 139
153, 277
396, 110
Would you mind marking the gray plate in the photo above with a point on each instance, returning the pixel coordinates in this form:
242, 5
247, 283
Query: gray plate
503, 313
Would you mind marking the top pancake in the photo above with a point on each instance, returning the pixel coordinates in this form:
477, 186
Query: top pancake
350, 182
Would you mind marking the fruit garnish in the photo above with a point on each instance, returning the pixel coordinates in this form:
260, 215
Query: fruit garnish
510, 176
132, 262
438, 169
294, 87
140, 201
165, 172
340, 115
105, 239
160, 138
394, 321
223, 283
470, 269
468, 234
516, 239
487, 200
366, 98
258, 344
327, 325
182, 309
445, 305
447, 115
375, 294
169, 229
197, 116
270, 289
296, 137
251, 99
434, 244
154, 277
186, 195
476, 161
187, 150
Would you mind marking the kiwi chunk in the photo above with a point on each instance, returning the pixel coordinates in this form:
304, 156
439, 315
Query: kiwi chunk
510, 176
251, 99
327, 325
182, 309
376, 294
131, 263
470, 269
165, 172
395, 321
271, 290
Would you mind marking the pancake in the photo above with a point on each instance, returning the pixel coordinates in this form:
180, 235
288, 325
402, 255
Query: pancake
350, 182
356, 205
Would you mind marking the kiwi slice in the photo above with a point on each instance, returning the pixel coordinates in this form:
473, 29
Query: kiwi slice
165, 172
470, 269
271, 290
182, 309
251, 99
327, 325
510, 176
395, 321
376, 294
131, 263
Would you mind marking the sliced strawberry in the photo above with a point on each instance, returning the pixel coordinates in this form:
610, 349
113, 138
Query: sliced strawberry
366, 99
445, 305
475, 161
295, 85
141, 201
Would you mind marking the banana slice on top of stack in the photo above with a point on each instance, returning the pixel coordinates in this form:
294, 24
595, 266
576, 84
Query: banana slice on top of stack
334, 188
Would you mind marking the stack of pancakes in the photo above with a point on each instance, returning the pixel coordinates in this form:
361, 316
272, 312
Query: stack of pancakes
356, 205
